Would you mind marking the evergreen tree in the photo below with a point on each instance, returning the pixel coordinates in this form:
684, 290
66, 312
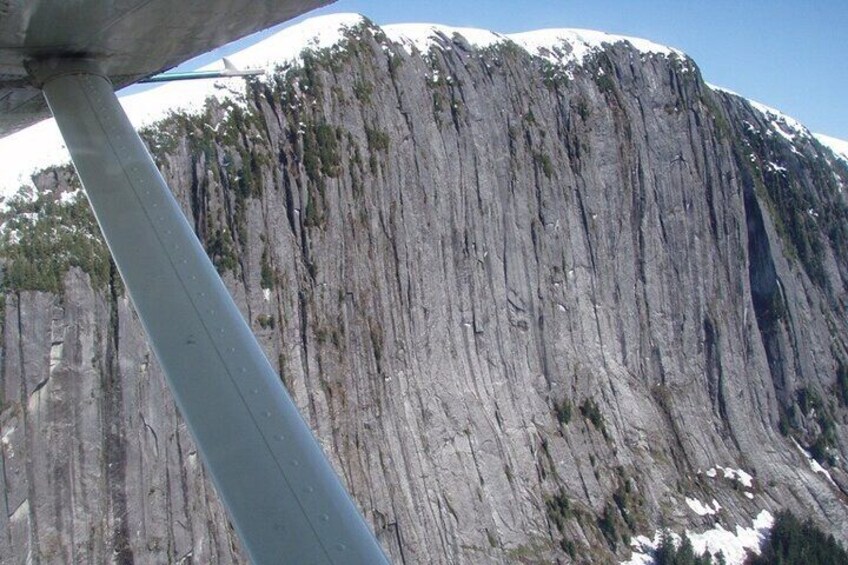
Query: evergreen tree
792, 541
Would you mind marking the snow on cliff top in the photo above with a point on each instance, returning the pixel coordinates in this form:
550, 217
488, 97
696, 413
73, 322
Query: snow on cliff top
785, 125
566, 45
790, 128
559, 46
41, 146
838, 146
425, 36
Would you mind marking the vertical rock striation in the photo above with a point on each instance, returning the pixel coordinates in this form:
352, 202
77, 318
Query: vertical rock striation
527, 313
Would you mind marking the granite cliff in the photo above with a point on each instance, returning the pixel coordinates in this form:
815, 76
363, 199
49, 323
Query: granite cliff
533, 304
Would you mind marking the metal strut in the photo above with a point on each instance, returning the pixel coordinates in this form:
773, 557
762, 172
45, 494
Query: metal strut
283, 497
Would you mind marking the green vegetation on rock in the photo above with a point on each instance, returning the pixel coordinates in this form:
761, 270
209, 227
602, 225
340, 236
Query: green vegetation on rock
562, 409
793, 542
589, 410
668, 553
43, 236
558, 507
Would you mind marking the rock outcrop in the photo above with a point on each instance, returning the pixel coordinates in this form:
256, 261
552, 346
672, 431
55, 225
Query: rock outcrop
529, 310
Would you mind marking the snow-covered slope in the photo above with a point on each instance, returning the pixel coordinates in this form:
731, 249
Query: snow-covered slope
425, 36
559, 46
838, 146
41, 146
790, 128
563, 46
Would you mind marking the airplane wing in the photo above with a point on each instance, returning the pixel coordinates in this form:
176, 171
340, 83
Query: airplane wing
281, 493
132, 39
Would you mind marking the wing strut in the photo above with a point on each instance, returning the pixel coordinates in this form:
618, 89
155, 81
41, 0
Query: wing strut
282, 495
229, 71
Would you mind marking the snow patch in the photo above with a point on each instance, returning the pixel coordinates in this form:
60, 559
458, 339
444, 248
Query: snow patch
702, 509
838, 146
789, 128
287, 45
423, 37
557, 46
564, 46
774, 167
718, 88
733, 544
814, 465
786, 126
69, 196
739, 475
6, 443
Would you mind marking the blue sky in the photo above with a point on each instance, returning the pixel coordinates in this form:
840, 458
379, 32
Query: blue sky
790, 55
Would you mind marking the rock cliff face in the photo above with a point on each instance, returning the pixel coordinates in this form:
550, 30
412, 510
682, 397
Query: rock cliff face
528, 310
